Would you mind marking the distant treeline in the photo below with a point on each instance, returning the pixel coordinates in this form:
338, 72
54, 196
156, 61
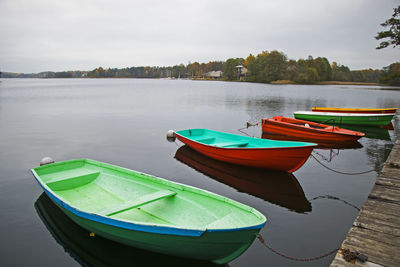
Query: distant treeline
272, 66
266, 67
192, 70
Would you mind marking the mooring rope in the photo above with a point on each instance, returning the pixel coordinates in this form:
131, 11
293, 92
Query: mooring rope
248, 124
333, 154
177, 144
346, 173
293, 258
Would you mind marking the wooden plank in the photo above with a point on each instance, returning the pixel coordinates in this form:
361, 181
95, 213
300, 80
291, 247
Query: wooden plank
371, 244
381, 218
356, 233
392, 173
385, 194
382, 257
385, 225
377, 206
388, 182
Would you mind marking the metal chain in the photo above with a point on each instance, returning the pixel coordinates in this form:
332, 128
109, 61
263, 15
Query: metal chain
335, 198
346, 173
293, 258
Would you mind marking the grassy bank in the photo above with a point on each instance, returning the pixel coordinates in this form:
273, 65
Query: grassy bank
348, 83
330, 83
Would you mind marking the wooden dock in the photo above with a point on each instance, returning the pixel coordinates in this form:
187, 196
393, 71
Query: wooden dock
376, 230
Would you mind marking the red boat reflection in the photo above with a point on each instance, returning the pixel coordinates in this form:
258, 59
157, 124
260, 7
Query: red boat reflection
280, 188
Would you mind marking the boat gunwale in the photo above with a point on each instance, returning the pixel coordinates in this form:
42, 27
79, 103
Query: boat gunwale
309, 144
342, 114
356, 110
147, 227
311, 129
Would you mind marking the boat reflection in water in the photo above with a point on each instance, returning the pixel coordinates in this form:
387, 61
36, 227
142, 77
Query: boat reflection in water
98, 251
280, 188
335, 145
381, 133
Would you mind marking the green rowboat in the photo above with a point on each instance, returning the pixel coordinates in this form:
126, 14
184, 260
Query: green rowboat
345, 118
148, 212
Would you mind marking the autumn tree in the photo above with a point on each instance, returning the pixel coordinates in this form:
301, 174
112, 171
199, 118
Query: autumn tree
267, 66
323, 68
391, 74
340, 73
229, 68
250, 64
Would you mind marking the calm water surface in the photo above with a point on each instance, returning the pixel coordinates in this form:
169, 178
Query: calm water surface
124, 122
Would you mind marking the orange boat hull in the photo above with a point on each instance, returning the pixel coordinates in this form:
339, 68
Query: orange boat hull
287, 159
321, 144
315, 132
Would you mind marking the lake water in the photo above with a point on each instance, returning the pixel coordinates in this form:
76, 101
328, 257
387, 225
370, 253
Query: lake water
124, 122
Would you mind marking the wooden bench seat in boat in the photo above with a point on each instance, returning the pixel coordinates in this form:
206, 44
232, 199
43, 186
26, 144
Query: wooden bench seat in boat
134, 203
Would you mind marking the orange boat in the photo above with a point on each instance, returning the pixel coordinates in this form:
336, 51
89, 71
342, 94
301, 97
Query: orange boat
321, 144
356, 110
248, 151
309, 131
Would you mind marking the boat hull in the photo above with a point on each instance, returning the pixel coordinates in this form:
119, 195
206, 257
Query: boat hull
314, 132
345, 118
218, 247
356, 110
321, 144
287, 159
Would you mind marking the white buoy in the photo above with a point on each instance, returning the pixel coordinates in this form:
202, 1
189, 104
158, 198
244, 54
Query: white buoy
46, 160
171, 136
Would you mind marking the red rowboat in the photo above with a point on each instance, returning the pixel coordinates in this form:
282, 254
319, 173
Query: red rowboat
249, 151
309, 131
321, 144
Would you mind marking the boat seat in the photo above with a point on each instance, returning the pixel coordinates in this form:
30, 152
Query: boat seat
231, 144
205, 140
64, 183
228, 219
134, 203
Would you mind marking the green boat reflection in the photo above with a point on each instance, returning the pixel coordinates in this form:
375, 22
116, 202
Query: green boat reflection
98, 251
381, 133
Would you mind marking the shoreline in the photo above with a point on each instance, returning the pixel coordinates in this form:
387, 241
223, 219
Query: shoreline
278, 82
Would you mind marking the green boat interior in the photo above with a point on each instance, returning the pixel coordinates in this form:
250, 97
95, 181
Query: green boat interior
122, 194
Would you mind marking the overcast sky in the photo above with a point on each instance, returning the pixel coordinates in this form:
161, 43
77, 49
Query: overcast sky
57, 35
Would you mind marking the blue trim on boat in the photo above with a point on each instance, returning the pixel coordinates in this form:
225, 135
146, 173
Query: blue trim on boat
132, 226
